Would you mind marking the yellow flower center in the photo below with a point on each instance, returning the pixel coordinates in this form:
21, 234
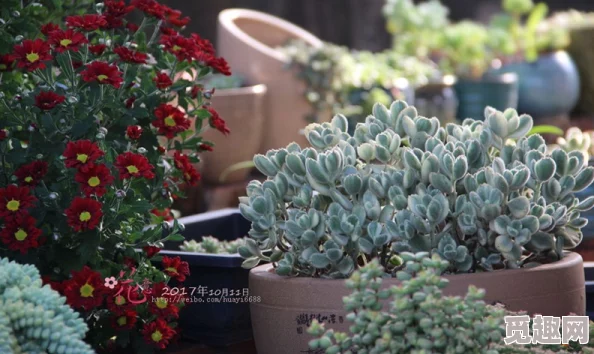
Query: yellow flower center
3, 67
82, 157
161, 303
132, 169
101, 77
157, 336
28, 179
176, 48
65, 42
94, 181
170, 122
86, 290
172, 270
120, 300
122, 321
20, 235
84, 216
13, 205
32, 57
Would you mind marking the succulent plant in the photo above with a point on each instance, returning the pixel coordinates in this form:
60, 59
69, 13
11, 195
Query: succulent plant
576, 140
419, 318
212, 245
403, 183
35, 318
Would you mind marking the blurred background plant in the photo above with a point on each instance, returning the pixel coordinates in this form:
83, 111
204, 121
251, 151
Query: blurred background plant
210, 244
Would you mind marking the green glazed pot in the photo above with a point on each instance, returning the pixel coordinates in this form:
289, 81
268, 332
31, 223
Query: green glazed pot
499, 91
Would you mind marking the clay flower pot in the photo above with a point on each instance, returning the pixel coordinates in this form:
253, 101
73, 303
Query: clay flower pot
288, 305
248, 40
243, 111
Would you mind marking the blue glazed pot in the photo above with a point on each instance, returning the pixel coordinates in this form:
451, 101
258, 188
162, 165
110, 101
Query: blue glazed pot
499, 91
548, 87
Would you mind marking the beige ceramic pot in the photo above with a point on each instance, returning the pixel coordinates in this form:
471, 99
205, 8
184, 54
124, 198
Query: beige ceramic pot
287, 305
243, 111
249, 41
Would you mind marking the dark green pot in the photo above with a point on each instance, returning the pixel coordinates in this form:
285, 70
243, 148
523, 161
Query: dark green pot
497, 91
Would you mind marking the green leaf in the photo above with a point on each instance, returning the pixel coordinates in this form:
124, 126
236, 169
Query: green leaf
546, 129
176, 237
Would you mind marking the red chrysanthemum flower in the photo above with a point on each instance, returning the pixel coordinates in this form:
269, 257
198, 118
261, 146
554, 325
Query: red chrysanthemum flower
164, 214
170, 120
31, 54
31, 174
77, 64
55, 285
176, 268
183, 164
130, 56
48, 28
134, 132
3, 134
126, 320
123, 298
205, 147
114, 11
97, 49
183, 48
94, 179
132, 27
130, 102
133, 165
6, 62
20, 233
217, 122
158, 333
202, 44
81, 154
47, 100
150, 8
86, 23
15, 201
85, 289
161, 150
162, 303
174, 17
220, 65
66, 40
195, 90
84, 214
151, 251
102, 73
162, 81
168, 31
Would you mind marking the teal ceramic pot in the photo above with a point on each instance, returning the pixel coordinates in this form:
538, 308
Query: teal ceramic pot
499, 91
549, 87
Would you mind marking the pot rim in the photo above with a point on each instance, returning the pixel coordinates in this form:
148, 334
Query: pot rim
228, 17
259, 89
264, 272
490, 78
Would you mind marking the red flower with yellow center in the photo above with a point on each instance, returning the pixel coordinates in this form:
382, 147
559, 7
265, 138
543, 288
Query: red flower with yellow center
20, 233
131, 165
130, 56
102, 73
31, 174
163, 81
6, 62
183, 48
81, 154
162, 303
31, 54
123, 298
188, 171
175, 268
47, 100
170, 120
126, 320
66, 40
134, 132
84, 214
97, 49
94, 179
15, 201
86, 23
85, 289
158, 333
217, 122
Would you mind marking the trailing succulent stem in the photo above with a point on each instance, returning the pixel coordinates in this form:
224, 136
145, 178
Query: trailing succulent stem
481, 194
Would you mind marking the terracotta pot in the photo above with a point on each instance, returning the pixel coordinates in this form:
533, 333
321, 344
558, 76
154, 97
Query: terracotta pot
287, 305
243, 111
248, 40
